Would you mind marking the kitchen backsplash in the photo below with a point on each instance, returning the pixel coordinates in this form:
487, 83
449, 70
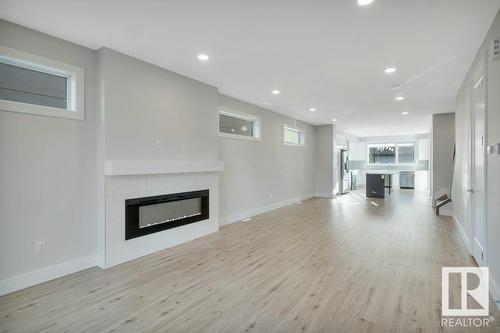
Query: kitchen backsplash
362, 165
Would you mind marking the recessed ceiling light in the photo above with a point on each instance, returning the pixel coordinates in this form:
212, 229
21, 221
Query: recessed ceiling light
275, 92
203, 57
399, 98
312, 109
390, 70
364, 2
334, 120
404, 113
396, 87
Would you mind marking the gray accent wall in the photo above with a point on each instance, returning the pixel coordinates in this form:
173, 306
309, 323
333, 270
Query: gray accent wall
326, 178
443, 142
144, 103
48, 182
262, 173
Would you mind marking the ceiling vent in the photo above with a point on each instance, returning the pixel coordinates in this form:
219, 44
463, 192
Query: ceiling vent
495, 47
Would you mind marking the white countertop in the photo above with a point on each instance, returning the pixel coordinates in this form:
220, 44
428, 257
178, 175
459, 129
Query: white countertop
381, 172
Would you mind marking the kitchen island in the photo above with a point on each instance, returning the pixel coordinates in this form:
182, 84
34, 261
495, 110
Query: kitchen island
376, 183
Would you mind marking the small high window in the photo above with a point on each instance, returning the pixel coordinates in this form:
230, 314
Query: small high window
239, 125
33, 84
293, 136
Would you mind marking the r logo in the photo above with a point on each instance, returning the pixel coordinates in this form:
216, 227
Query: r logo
479, 294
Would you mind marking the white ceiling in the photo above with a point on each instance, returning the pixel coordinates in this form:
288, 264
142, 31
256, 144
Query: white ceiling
330, 54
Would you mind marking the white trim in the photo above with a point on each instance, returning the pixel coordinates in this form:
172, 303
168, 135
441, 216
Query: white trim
239, 137
263, 209
463, 234
239, 115
74, 74
151, 167
494, 290
45, 274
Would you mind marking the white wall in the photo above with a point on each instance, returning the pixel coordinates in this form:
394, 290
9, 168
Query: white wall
48, 183
443, 141
461, 199
265, 173
326, 178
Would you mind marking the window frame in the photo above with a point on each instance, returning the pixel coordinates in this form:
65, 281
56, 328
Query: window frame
73, 74
256, 121
396, 146
302, 136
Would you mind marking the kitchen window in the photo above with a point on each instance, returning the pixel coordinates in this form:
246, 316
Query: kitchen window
382, 154
38, 85
391, 153
238, 125
406, 153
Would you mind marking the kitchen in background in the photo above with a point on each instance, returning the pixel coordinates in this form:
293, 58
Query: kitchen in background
405, 156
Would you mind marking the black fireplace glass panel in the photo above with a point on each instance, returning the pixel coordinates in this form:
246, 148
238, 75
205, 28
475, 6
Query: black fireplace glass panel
148, 215
168, 211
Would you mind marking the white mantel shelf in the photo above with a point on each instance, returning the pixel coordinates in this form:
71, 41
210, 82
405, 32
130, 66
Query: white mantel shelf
155, 167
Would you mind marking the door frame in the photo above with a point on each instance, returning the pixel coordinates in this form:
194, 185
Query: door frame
479, 70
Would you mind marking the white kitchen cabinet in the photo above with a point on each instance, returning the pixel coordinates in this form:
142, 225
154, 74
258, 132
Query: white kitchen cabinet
358, 151
422, 180
423, 150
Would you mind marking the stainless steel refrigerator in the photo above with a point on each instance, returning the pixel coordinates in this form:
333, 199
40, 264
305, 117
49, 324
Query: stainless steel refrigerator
344, 172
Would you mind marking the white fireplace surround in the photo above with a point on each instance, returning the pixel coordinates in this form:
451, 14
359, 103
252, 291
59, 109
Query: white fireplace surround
133, 179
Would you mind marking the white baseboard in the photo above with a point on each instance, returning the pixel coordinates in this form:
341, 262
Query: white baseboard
465, 238
494, 290
45, 274
261, 210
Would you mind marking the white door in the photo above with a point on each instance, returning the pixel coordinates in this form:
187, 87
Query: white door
478, 169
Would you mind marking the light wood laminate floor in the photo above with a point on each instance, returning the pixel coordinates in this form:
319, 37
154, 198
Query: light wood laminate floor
343, 265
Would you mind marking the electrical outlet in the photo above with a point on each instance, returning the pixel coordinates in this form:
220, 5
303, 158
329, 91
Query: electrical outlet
159, 143
270, 195
40, 247
184, 145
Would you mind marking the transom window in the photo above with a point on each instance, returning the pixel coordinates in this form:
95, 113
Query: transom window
38, 85
239, 125
391, 153
293, 136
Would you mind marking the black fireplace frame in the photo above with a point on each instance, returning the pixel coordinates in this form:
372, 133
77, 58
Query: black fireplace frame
132, 229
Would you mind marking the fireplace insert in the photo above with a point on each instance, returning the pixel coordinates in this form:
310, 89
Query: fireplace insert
148, 215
